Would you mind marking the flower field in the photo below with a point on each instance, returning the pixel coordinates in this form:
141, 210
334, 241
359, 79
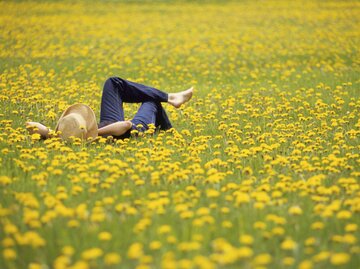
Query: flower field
261, 169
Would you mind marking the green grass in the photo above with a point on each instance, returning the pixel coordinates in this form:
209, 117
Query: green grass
276, 103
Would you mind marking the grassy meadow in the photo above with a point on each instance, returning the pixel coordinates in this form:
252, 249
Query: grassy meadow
261, 169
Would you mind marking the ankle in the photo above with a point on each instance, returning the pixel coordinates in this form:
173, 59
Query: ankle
171, 97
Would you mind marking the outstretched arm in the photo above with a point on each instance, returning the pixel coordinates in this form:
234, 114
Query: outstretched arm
115, 129
38, 128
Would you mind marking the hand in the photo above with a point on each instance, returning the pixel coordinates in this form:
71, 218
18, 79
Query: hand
37, 128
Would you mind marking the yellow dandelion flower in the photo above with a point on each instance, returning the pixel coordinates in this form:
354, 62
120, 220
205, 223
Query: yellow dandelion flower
245, 252
35, 266
295, 211
262, 259
91, 254
288, 244
135, 251
305, 265
339, 258
112, 258
9, 254
155, 245
164, 229
351, 227
343, 214
104, 236
246, 239
317, 225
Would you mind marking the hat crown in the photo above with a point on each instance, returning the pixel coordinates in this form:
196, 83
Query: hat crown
77, 121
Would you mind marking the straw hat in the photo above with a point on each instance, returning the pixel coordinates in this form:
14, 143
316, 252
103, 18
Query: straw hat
79, 121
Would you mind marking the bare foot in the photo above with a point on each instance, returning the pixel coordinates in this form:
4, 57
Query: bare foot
179, 98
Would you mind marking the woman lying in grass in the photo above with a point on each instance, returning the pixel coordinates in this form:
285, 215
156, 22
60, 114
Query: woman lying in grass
79, 120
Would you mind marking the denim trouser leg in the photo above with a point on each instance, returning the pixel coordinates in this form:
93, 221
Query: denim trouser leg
117, 90
151, 112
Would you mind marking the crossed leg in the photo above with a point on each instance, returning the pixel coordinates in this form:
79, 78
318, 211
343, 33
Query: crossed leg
117, 90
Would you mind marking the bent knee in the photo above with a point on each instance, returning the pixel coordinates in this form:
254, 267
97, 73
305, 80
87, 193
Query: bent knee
111, 84
113, 80
110, 80
153, 106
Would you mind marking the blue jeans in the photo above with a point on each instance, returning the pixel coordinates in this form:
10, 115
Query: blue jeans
118, 91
